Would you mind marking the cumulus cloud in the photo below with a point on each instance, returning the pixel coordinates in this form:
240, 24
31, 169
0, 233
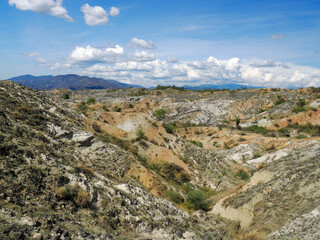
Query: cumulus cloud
114, 11
32, 54
142, 56
95, 15
277, 36
140, 43
91, 54
51, 7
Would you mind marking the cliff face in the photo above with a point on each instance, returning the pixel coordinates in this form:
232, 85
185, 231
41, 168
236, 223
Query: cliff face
101, 164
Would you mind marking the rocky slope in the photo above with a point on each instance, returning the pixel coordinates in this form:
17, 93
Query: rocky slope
164, 163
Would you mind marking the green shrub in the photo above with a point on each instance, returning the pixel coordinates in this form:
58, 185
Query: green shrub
91, 100
160, 114
256, 155
142, 159
170, 127
104, 107
237, 122
197, 143
284, 132
140, 134
117, 109
197, 200
82, 107
280, 100
301, 103
156, 167
257, 129
175, 196
65, 96
301, 136
299, 109
187, 187
243, 175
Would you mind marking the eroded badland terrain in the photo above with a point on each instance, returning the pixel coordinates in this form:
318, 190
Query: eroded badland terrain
165, 163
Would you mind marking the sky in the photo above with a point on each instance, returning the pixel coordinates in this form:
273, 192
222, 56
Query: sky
264, 43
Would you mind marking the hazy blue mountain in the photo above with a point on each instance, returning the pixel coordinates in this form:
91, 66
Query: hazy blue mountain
70, 81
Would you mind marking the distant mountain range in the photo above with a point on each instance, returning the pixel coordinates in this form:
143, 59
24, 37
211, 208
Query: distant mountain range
75, 82
70, 81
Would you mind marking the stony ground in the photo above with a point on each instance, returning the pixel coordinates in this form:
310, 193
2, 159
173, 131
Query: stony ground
159, 164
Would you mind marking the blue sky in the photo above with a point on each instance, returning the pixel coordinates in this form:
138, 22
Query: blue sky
148, 42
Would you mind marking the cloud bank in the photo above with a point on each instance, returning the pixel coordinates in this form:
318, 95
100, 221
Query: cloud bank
145, 68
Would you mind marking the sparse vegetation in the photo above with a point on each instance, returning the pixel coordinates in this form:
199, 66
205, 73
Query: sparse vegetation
257, 129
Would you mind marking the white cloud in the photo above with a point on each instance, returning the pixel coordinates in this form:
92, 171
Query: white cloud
94, 15
268, 63
172, 60
140, 43
142, 56
114, 11
32, 54
277, 36
51, 7
92, 54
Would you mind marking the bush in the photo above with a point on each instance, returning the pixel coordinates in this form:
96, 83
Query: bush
117, 109
65, 96
280, 100
104, 107
197, 200
243, 175
197, 143
170, 127
256, 155
284, 132
257, 129
237, 122
175, 196
83, 107
301, 136
140, 134
91, 100
73, 193
299, 109
301, 103
160, 114
82, 198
